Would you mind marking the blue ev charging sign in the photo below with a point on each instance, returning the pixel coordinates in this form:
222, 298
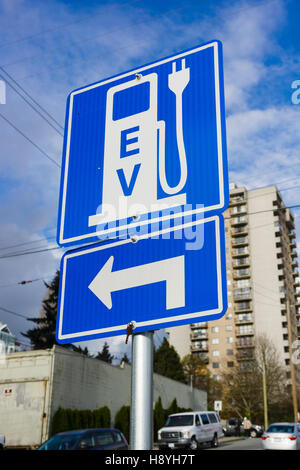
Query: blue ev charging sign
146, 144
170, 277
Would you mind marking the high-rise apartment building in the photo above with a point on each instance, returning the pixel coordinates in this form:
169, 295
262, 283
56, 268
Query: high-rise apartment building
263, 284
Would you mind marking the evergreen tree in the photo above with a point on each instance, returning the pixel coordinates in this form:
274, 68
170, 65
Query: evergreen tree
125, 359
158, 417
43, 336
79, 350
167, 362
105, 355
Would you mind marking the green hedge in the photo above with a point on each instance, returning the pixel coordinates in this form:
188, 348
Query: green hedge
69, 420
122, 419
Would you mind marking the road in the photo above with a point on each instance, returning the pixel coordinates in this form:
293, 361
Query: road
243, 444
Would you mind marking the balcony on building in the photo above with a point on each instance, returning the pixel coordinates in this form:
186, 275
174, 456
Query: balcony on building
242, 307
240, 241
239, 220
245, 355
199, 333
237, 199
245, 342
289, 220
241, 273
243, 261
201, 355
291, 235
237, 252
243, 293
199, 346
243, 319
239, 230
238, 210
202, 324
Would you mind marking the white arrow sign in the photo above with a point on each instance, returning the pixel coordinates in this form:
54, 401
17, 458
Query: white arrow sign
170, 270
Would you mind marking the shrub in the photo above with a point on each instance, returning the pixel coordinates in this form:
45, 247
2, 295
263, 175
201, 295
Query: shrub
122, 421
68, 419
158, 417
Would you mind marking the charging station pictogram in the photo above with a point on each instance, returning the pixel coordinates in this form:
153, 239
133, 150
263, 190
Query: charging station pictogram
148, 144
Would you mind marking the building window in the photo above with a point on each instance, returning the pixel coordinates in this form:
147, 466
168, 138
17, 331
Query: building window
215, 341
229, 340
230, 364
229, 352
228, 328
229, 316
216, 353
215, 365
215, 329
216, 377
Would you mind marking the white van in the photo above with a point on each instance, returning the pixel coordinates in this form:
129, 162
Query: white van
190, 429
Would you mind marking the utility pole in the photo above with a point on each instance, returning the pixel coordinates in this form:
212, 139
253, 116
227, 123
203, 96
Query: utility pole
292, 365
262, 369
265, 396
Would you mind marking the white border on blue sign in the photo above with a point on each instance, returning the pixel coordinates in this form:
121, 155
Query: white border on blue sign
100, 233
178, 318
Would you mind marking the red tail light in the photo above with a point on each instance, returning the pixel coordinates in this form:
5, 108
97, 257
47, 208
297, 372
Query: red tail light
292, 438
264, 437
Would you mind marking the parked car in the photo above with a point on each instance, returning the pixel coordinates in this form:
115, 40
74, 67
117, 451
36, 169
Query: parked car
2, 442
86, 439
190, 430
282, 436
231, 428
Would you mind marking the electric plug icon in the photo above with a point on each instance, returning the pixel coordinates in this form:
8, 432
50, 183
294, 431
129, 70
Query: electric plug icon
178, 80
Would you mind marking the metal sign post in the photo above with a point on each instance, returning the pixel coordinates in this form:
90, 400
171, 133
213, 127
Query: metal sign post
141, 391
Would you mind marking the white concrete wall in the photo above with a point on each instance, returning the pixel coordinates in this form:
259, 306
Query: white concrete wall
34, 384
85, 383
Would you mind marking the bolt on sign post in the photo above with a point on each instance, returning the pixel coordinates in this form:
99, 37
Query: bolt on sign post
144, 177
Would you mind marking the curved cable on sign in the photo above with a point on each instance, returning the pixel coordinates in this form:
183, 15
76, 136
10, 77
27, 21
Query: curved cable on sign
178, 81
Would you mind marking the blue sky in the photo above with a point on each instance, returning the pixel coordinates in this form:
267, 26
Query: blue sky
53, 47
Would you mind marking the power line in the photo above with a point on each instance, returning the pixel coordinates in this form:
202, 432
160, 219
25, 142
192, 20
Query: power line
29, 140
25, 282
30, 252
266, 210
28, 243
31, 105
146, 41
33, 36
112, 31
16, 254
13, 313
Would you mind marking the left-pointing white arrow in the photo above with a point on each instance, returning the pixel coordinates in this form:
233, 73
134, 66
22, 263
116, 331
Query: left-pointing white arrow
170, 270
